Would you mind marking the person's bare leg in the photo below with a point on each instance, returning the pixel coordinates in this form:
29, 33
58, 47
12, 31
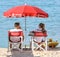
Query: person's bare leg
10, 45
20, 46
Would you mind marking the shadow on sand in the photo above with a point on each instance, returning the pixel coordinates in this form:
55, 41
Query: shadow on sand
24, 53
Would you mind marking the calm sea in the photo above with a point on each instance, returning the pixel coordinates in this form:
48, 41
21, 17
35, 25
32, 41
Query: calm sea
52, 23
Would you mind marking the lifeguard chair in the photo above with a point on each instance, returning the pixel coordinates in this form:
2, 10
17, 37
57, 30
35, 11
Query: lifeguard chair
39, 34
15, 38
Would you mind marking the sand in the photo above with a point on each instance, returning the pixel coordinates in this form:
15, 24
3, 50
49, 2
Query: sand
29, 53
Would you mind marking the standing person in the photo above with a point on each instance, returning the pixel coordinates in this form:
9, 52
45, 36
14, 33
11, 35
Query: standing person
17, 28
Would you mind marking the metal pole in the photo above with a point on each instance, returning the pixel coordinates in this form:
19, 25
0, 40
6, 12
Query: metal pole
25, 23
25, 30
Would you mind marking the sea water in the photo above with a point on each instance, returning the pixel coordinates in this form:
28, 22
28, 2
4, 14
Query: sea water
52, 23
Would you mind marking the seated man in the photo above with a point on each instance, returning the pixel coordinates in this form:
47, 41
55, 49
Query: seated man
15, 39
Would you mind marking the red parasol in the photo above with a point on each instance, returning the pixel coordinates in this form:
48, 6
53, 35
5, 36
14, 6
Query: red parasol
24, 11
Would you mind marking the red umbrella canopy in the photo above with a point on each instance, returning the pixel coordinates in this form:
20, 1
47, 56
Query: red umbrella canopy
24, 11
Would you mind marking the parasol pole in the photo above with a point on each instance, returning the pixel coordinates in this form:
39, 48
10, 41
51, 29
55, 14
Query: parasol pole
25, 24
25, 21
25, 31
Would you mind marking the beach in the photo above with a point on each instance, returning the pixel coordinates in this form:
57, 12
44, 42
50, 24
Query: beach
51, 53
52, 26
